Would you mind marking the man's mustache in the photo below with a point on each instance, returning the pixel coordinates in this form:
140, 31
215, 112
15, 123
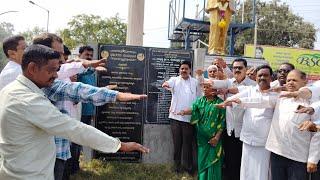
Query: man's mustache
262, 80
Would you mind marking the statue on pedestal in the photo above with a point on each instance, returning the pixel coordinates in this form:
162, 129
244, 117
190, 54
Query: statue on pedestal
220, 15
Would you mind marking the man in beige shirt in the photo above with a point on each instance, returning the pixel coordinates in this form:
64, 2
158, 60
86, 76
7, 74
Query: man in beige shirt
28, 122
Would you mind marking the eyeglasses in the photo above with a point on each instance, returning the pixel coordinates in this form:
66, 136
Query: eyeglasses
284, 71
238, 67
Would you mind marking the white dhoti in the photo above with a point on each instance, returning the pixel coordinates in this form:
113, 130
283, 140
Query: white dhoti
255, 163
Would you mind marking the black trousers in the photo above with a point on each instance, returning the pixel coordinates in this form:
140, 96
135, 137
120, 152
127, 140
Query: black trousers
283, 168
232, 147
59, 167
73, 164
183, 141
86, 119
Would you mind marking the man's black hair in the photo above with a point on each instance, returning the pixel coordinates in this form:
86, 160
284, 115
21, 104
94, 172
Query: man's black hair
240, 60
11, 43
260, 48
66, 50
46, 39
265, 66
288, 64
185, 62
83, 48
39, 54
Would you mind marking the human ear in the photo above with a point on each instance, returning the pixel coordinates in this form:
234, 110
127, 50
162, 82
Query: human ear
32, 68
11, 53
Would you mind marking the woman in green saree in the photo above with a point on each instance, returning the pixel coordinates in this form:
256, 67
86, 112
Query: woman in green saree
209, 122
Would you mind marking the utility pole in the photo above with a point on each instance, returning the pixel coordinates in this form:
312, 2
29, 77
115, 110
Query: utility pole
135, 23
33, 3
255, 34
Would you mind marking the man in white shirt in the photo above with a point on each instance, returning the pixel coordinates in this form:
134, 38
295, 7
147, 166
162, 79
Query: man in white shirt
13, 48
312, 92
234, 118
294, 152
255, 160
28, 122
185, 90
282, 74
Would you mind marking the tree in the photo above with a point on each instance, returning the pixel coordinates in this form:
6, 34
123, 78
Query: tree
85, 29
6, 30
3, 59
277, 26
30, 34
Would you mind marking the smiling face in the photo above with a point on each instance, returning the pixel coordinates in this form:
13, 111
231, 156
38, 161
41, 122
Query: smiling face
295, 80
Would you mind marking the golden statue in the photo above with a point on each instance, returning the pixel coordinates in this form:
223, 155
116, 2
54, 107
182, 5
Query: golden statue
220, 16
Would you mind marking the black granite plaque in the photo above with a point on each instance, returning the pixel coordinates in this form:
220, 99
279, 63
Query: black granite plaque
138, 70
162, 64
124, 120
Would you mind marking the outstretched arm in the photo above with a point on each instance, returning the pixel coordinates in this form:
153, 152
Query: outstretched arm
185, 112
133, 146
79, 92
314, 153
70, 69
308, 126
130, 97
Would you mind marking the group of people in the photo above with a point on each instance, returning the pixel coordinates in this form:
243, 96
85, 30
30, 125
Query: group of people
247, 125
38, 114
239, 123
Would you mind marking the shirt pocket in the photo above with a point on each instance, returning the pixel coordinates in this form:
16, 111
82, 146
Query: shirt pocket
298, 118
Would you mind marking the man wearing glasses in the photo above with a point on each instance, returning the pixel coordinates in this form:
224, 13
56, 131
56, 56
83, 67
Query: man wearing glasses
234, 117
283, 71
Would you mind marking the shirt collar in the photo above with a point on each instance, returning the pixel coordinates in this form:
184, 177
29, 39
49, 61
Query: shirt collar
243, 82
184, 79
257, 89
27, 82
12, 63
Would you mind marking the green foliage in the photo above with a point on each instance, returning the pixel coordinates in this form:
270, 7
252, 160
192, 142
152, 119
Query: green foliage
86, 29
3, 58
6, 30
30, 34
277, 26
96, 170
